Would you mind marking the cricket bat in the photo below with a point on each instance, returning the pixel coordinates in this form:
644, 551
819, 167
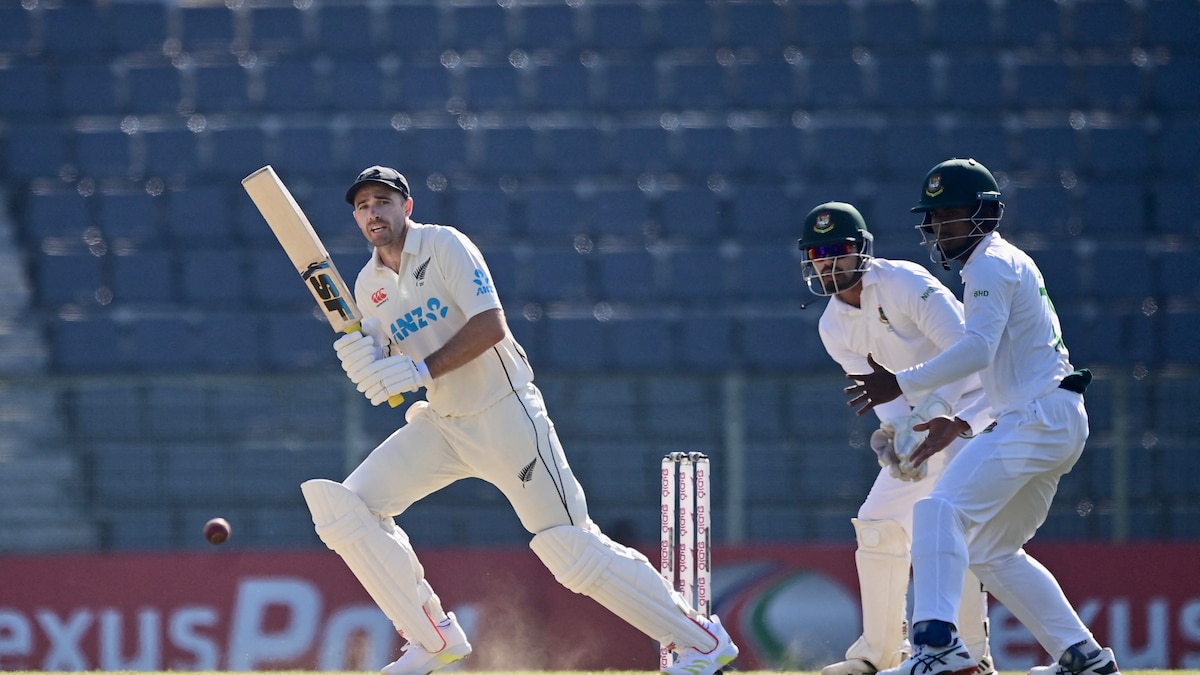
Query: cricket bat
302, 245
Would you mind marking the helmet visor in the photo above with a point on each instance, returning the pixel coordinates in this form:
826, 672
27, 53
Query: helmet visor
832, 250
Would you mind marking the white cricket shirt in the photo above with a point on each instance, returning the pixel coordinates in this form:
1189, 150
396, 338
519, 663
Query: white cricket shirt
906, 317
1013, 338
443, 282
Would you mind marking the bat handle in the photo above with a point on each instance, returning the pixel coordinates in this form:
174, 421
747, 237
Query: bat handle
394, 400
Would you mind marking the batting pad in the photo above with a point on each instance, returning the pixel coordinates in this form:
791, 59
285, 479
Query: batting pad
378, 553
883, 563
623, 581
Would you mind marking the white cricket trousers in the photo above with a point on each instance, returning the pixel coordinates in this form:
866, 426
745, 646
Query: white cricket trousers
999, 489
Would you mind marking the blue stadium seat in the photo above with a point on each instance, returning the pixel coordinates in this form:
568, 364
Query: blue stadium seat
765, 26
1173, 91
291, 84
552, 212
63, 278
138, 529
28, 91
989, 143
492, 86
843, 147
16, 29
620, 211
627, 276
893, 26
130, 216
974, 83
480, 210
1046, 207
903, 82
758, 209
305, 149
684, 25
214, 278
772, 150
238, 150
154, 89
274, 283
575, 344
1114, 86
206, 28
195, 470
1172, 23
114, 463
335, 22
437, 149
77, 30
1177, 143
561, 85
163, 343
221, 88
691, 213
835, 82
60, 214
637, 149
87, 345
138, 26
1175, 211
779, 342
698, 274
631, 85
480, 27
1063, 269
549, 26
962, 24
231, 342
508, 149
281, 28
704, 150
370, 145
503, 268
825, 26
572, 150
1051, 148
110, 411
1118, 151
297, 342
144, 276
698, 85
1180, 330
705, 341
1043, 84
1120, 272
767, 83
284, 527
555, 274
39, 150
769, 273
87, 88
424, 88
616, 26
1178, 274
170, 151
1106, 25
103, 152
1032, 23
643, 344
413, 29
910, 148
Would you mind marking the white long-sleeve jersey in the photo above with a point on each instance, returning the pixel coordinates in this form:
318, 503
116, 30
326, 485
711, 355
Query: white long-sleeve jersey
906, 317
1013, 338
443, 281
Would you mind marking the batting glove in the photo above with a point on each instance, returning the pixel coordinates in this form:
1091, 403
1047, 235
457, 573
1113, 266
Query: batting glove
394, 375
361, 348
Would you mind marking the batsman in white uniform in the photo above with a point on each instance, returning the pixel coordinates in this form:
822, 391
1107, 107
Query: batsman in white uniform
997, 491
903, 315
433, 321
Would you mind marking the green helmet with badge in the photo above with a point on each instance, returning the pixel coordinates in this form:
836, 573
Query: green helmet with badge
832, 231
957, 182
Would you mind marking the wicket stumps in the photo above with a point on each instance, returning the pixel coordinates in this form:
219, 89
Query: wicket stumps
686, 531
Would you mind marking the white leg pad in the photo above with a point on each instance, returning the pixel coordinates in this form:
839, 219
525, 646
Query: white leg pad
378, 552
623, 581
883, 565
973, 618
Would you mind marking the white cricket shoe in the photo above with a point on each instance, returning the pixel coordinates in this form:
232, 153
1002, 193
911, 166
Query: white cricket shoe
952, 659
416, 660
850, 667
1102, 662
692, 661
985, 667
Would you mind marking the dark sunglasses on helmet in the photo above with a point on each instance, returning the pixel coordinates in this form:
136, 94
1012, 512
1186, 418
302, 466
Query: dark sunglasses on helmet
830, 250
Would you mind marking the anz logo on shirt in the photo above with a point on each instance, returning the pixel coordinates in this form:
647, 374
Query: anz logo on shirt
483, 285
418, 318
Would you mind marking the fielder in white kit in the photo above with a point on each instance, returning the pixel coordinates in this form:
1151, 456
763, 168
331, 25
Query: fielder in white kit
995, 494
433, 320
902, 314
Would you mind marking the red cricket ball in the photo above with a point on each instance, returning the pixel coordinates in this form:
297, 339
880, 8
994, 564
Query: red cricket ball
217, 530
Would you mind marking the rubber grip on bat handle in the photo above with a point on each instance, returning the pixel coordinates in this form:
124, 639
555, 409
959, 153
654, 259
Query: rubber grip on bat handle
394, 400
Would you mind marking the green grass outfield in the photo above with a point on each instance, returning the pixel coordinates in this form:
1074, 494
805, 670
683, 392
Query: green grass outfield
539, 672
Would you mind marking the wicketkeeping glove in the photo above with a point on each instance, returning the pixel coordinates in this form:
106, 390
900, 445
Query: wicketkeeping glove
907, 440
883, 443
394, 375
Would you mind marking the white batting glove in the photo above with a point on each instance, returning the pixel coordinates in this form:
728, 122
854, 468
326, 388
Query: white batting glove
883, 443
907, 440
385, 378
361, 348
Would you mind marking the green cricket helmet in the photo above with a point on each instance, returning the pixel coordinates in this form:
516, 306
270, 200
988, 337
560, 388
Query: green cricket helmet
958, 183
832, 231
